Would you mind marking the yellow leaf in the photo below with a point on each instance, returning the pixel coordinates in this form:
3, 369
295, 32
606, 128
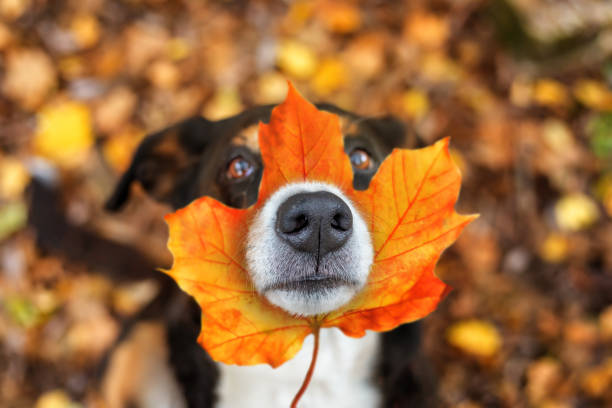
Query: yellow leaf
86, 30
554, 248
597, 381
296, 59
226, 102
120, 147
54, 399
415, 103
475, 337
14, 178
271, 88
330, 77
575, 212
437, 67
593, 94
558, 136
550, 93
178, 49
603, 191
64, 134
605, 323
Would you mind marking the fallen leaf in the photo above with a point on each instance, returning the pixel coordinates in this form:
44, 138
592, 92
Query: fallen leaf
554, 249
296, 59
330, 77
365, 55
115, 109
86, 30
593, 94
543, 376
605, 324
120, 147
224, 103
550, 93
575, 212
475, 337
55, 399
164, 75
29, 77
64, 133
597, 381
341, 17
13, 9
415, 103
13, 217
409, 208
178, 49
5, 36
426, 29
15, 177
599, 129
271, 88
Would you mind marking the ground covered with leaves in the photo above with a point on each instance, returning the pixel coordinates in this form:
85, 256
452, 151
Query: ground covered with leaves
523, 88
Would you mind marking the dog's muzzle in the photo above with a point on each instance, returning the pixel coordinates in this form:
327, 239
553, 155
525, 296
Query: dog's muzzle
308, 251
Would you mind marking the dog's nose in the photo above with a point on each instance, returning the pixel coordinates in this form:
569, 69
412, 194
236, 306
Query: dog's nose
314, 222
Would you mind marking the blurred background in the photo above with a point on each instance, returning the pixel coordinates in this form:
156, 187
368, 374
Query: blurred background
523, 87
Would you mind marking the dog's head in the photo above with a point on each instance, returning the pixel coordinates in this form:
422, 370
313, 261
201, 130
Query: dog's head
308, 248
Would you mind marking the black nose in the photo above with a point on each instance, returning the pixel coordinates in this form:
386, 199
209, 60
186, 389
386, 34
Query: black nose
314, 222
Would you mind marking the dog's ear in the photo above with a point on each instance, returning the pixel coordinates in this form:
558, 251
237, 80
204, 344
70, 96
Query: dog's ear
390, 131
166, 163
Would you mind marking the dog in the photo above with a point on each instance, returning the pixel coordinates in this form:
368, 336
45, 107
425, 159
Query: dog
157, 362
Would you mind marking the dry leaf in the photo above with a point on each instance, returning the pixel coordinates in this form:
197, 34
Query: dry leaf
550, 93
475, 337
331, 76
64, 133
29, 77
554, 249
296, 59
15, 177
271, 88
339, 16
426, 29
415, 103
575, 212
593, 94
115, 109
409, 206
224, 103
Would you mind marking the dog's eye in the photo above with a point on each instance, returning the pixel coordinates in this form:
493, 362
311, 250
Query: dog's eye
360, 159
239, 168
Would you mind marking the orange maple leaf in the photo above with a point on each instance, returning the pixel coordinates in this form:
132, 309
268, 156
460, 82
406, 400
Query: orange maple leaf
409, 208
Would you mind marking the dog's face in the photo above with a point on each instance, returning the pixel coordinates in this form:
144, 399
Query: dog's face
308, 248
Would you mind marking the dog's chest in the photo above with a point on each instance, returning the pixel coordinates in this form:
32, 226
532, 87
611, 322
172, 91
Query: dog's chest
342, 377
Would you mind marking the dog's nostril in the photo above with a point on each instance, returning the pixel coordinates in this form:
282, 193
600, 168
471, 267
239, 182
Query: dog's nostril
316, 222
293, 224
342, 221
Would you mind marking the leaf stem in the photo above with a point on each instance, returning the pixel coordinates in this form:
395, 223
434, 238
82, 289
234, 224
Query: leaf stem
315, 353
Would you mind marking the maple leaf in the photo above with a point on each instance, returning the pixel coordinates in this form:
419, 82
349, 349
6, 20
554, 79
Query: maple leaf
409, 208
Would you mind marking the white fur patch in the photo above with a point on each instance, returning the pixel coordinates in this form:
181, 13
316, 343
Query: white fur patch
342, 377
270, 259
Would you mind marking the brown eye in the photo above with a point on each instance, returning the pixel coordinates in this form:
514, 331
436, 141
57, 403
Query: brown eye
360, 159
239, 168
